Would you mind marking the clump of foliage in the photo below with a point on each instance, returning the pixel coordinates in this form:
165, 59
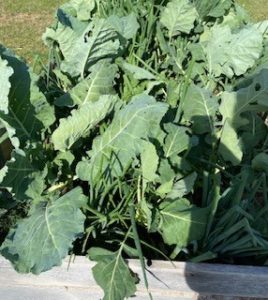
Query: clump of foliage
145, 136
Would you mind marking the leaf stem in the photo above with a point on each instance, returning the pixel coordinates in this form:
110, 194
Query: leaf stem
138, 245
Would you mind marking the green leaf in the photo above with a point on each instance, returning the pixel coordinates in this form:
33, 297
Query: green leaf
179, 16
164, 188
251, 98
236, 18
200, 108
126, 26
37, 186
230, 145
149, 162
3, 172
64, 157
262, 27
182, 187
7, 138
231, 53
182, 222
112, 274
99, 82
253, 133
90, 43
5, 74
43, 239
20, 175
215, 8
165, 171
260, 162
138, 72
145, 213
114, 150
130, 251
173, 92
81, 122
99, 254
83, 8
177, 139
29, 112
180, 164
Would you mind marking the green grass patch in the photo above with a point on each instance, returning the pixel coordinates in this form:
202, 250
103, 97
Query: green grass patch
29, 6
258, 9
22, 24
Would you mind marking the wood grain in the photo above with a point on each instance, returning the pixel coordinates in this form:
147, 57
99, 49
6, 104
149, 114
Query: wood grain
181, 281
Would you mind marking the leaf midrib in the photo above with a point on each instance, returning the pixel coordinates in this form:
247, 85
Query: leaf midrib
172, 143
20, 123
181, 218
50, 231
92, 84
100, 150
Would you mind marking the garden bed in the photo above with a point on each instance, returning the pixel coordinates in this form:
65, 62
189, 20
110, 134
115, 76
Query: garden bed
144, 137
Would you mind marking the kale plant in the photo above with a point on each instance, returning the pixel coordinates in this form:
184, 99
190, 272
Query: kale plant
145, 136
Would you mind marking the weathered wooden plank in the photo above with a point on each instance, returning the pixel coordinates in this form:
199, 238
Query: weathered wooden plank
37, 293
227, 280
203, 297
59, 293
79, 282
178, 281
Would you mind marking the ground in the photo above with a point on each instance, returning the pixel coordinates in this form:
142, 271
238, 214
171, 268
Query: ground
22, 23
258, 9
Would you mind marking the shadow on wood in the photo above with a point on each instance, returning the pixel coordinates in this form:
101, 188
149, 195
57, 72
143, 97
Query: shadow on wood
166, 281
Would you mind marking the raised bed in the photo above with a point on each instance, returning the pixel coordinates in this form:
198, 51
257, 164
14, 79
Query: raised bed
179, 281
146, 134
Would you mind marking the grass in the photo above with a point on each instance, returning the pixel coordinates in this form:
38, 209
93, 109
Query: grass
22, 23
258, 9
